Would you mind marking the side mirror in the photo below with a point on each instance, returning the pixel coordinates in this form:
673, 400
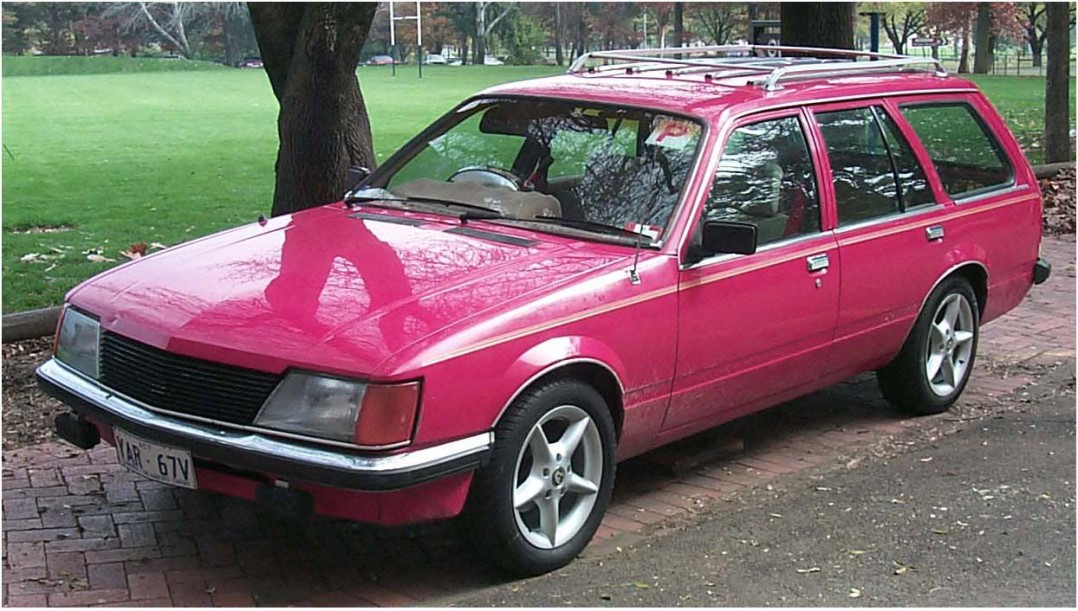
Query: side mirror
728, 237
355, 176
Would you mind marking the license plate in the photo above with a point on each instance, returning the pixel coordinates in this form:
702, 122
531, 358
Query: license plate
158, 462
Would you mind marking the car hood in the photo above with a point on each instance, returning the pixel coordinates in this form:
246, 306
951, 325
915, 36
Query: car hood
329, 288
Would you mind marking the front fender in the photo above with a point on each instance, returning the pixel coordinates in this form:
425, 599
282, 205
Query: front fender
555, 353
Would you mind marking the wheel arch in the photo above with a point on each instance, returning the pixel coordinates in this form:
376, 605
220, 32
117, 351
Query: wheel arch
974, 272
598, 372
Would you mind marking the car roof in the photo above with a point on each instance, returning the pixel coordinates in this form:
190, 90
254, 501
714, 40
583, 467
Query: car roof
708, 95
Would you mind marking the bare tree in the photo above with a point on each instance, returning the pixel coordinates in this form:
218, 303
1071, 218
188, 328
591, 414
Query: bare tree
901, 21
483, 27
1057, 142
168, 21
719, 20
310, 52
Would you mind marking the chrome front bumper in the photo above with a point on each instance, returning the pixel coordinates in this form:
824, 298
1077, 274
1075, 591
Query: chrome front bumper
288, 460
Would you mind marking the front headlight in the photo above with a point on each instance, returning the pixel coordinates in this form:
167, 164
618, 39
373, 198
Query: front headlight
77, 341
314, 405
372, 415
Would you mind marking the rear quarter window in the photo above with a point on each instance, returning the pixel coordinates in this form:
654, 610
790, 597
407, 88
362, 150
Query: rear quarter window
966, 155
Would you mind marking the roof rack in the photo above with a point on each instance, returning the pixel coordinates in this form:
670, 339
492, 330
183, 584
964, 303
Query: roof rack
772, 63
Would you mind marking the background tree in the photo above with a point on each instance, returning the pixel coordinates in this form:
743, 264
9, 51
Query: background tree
1032, 14
310, 51
487, 16
956, 18
900, 21
1057, 85
994, 19
719, 22
818, 24
679, 24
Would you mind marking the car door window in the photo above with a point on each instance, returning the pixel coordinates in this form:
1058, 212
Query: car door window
766, 178
967, 158
864, 178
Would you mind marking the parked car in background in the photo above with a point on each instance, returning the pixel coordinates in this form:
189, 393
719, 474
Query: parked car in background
559, 274
379, 60
249, 62
436, 59
490, 60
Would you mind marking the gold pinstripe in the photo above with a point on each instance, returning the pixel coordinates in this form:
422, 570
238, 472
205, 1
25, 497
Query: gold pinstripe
729, 273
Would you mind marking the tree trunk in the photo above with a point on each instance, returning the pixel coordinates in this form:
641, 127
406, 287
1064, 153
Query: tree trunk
679, 24
1057, 144
1036, 47
818, 24
559, 56
983, 32
963, 60
310, 51
480, 56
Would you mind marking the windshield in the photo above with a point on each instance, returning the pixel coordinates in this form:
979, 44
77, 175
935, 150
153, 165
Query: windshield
527, 159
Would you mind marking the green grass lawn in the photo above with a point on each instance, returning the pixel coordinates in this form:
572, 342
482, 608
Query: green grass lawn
166, 156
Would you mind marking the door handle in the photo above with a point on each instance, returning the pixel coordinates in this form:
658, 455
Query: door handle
934, 232
818, 262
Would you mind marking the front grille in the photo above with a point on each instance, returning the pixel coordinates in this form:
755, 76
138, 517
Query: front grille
183, 384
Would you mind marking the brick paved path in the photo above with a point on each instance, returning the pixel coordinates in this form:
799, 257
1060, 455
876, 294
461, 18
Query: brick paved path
80, 530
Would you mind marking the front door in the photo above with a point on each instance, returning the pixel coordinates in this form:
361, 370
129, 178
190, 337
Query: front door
755, 326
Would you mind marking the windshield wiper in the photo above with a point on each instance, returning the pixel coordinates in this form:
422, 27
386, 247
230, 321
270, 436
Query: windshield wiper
591, 225
474, 212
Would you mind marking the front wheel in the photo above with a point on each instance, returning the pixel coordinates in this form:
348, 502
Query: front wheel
539, 501
935, 363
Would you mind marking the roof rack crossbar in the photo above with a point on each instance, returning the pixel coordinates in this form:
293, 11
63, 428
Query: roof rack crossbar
749, 61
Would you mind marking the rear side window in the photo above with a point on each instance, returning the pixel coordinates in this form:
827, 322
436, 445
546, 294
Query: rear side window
967, 158
864, 178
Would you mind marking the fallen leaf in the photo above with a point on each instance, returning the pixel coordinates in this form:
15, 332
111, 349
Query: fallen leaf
96, 258
941, 531
639, 585
811, 569
855, 593
858, 552
30, 257
157, 246
927, 459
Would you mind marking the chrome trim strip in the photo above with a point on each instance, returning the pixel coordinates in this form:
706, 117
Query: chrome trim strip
91, 391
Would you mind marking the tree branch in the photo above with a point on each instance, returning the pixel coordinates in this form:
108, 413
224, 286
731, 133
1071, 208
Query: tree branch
162, 32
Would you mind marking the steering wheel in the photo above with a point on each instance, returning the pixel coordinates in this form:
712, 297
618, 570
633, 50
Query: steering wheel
489, 176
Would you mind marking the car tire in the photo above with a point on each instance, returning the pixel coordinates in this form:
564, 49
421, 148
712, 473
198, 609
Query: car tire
935, 363
535, 506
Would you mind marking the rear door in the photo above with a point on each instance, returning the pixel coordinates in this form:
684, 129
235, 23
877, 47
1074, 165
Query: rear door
889, 227
753, 326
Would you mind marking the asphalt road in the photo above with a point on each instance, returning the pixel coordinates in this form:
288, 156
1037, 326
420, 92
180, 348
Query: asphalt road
984, 516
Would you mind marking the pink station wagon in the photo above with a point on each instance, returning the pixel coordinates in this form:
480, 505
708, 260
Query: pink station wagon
560, 274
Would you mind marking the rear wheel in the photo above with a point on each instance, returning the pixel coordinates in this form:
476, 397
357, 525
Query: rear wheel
935, 363
539, 501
